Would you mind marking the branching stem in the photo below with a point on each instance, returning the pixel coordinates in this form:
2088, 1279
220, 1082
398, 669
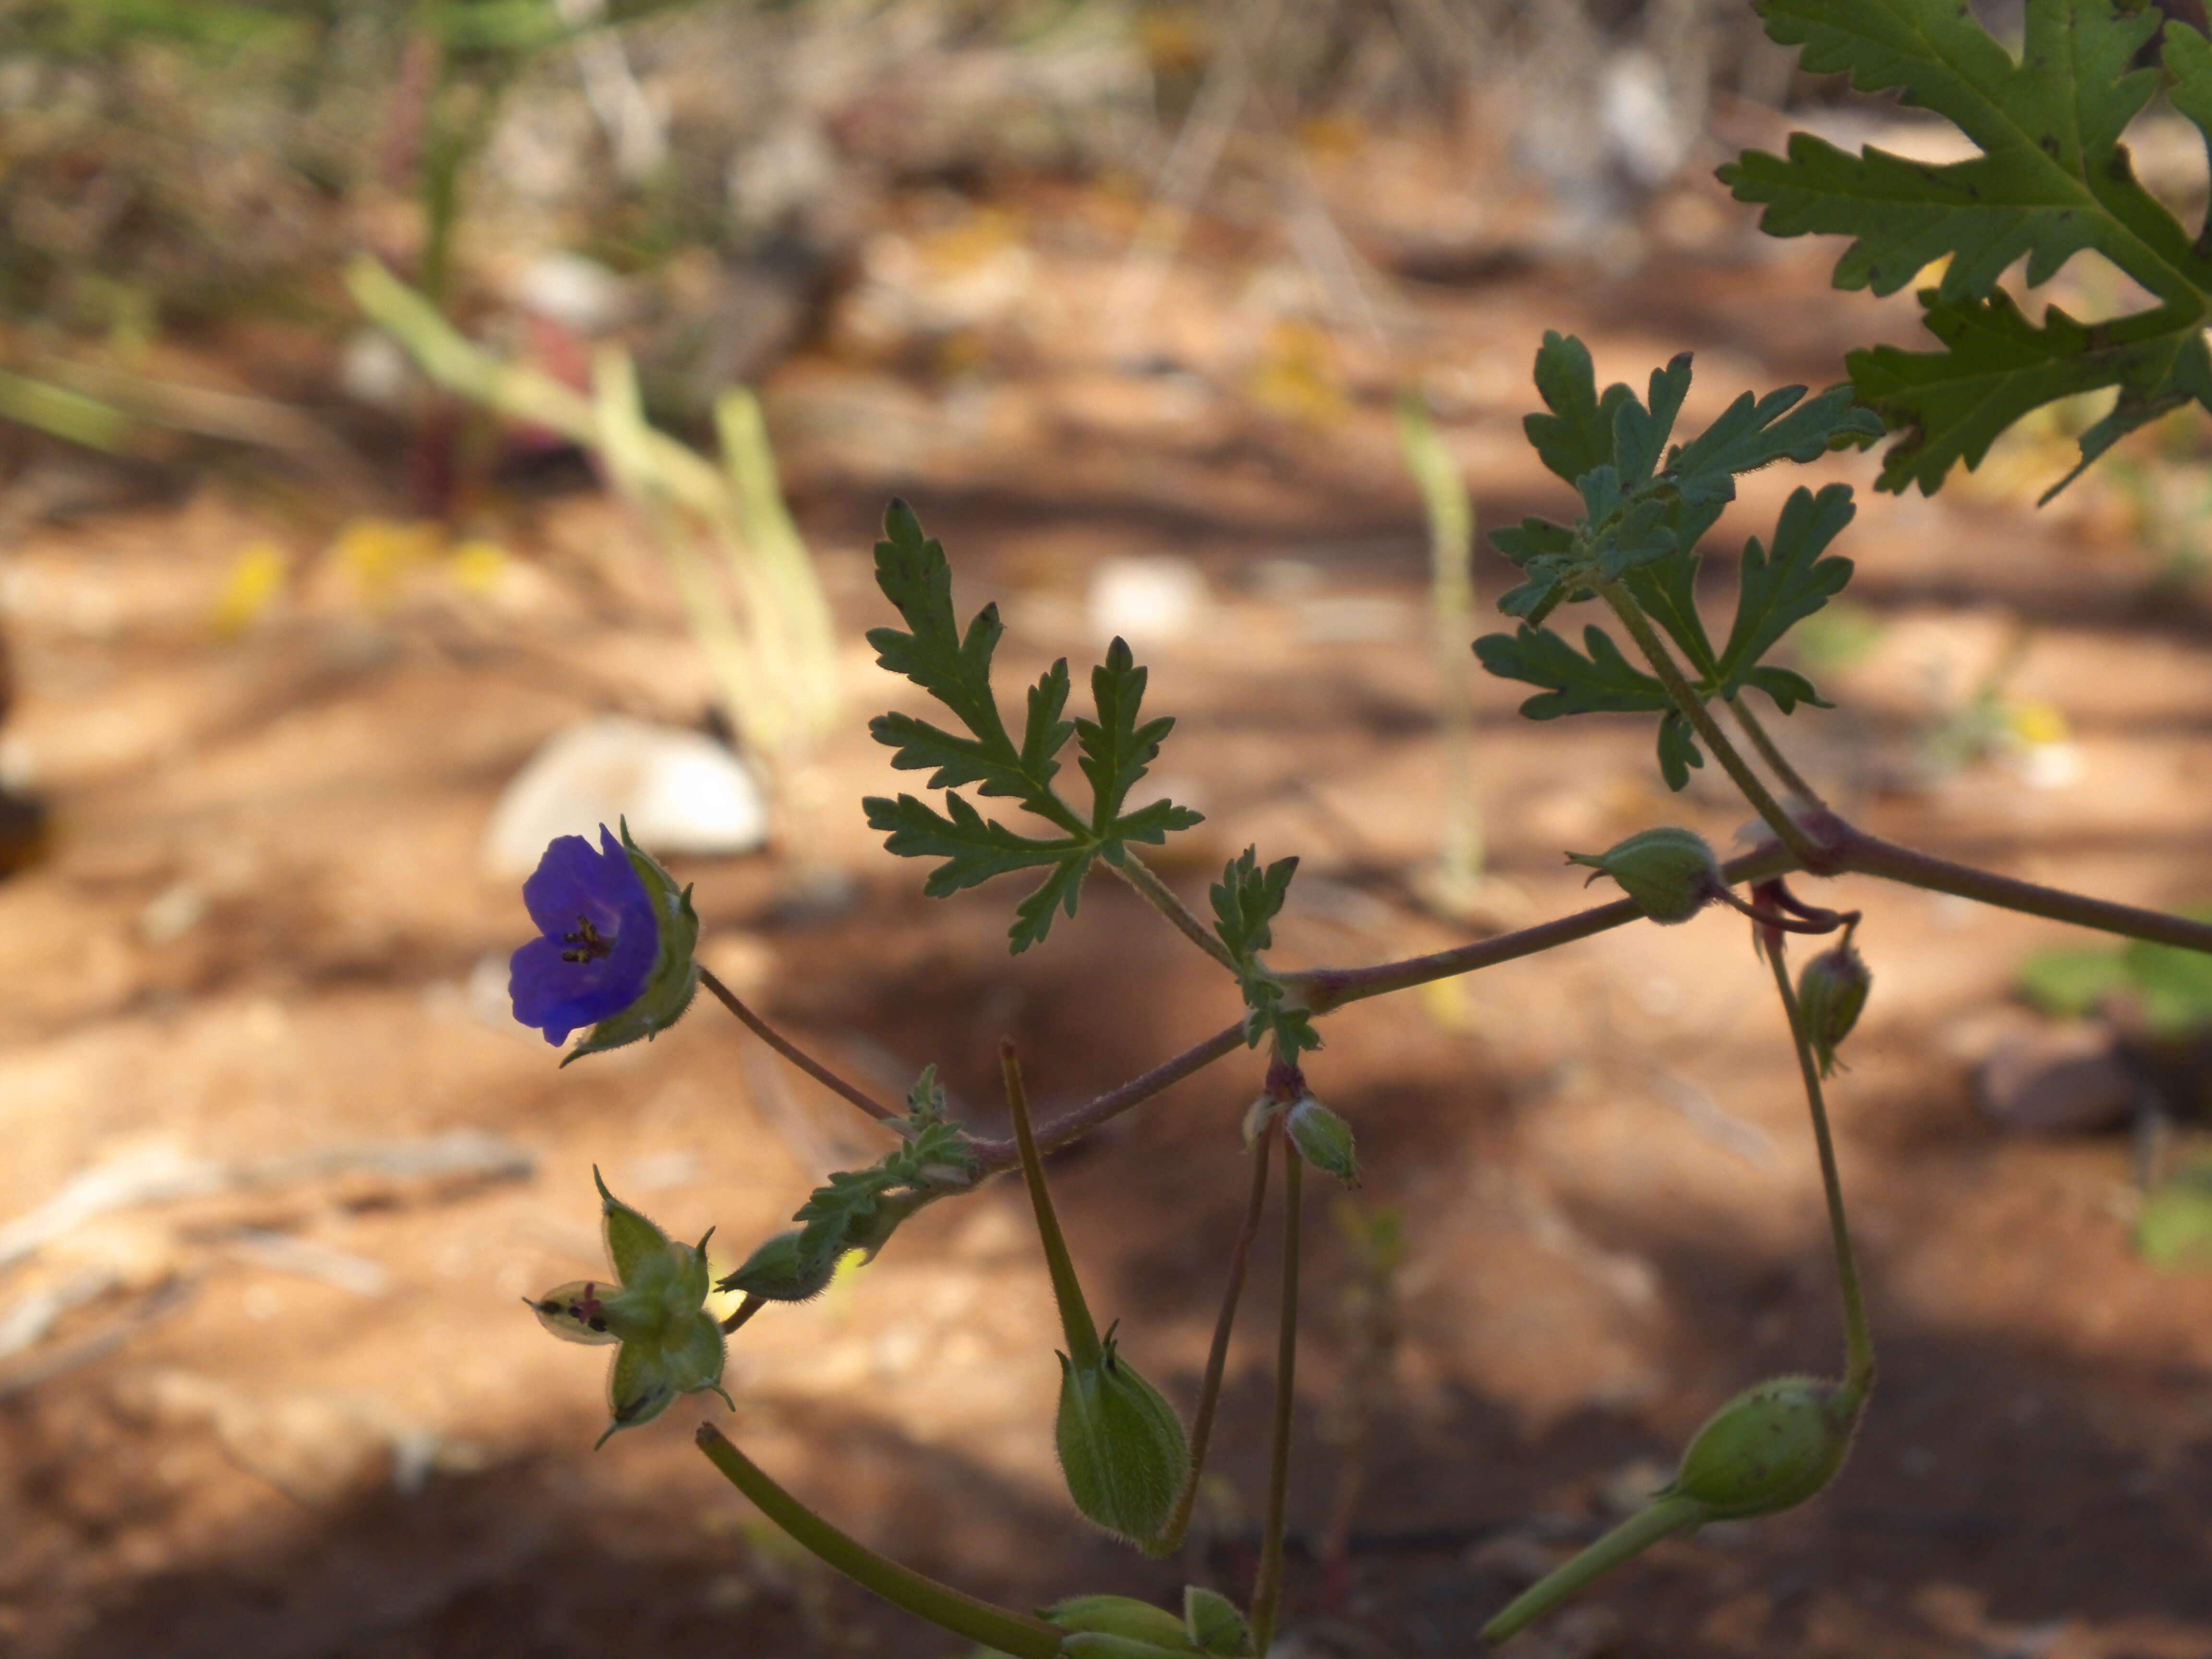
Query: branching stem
1771, 752
813, 1068
1268, 1587
993, 1155
1217, 1359
1702, 721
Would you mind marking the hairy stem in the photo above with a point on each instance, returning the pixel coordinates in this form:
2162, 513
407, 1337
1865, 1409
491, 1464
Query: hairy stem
1324, 989
1633, 1536
993, 1155
1216, 1359
1158, 894
1075, 1321
1858, 1340
813, 1068
1854, 849
948, 1608
1702, 721
1268, 1587
746, 1308
1771, 752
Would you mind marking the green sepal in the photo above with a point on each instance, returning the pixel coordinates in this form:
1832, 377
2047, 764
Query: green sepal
1214, 1625
1670, 872
1120, 1616
674, 980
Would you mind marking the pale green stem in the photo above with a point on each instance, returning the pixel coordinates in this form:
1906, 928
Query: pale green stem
1771, 752
1267, 1587
1631, 1537
1158, 894
1858, 1338
1702, 721
1084, 1349
962, 1614
1216, 1359
1450, 513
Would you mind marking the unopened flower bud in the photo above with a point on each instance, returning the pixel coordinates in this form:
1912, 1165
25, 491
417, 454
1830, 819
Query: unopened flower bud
1670, 872
1213, 1623
1831, 993
783, 1270
1122, 1446
1122, 1617
1323, 1140
1769, 1449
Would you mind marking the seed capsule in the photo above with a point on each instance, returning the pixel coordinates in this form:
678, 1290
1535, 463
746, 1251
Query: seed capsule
1831, 993
1122, 1446
1671, 873
1323, 1140
1122, 1617
1769, 1449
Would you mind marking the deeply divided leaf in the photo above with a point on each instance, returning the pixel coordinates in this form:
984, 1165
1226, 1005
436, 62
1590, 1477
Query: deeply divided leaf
1779, 590
2052, 178
955, 668
1246, 901
1602, 682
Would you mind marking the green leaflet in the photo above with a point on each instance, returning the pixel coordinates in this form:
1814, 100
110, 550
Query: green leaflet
955, 667
1246, 901
2053, 180
1646, 507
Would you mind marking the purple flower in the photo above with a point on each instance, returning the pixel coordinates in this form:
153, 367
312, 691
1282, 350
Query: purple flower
601, 937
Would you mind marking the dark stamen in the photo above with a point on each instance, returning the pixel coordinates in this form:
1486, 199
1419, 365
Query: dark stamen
591, 944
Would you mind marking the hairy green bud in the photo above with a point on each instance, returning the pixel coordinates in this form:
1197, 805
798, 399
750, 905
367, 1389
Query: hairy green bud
1831, 993
1323, 1140
1122, 1446
1155, 1629
1670, 872
1769, 1449
1214, 1625
783, 1270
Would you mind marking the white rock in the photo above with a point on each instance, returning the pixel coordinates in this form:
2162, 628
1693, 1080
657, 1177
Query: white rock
576, 289
682, 791
1147, 600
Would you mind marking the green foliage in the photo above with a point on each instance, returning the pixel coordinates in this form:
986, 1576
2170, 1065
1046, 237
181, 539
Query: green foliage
2168, 988
955, 668
1645, 507
1246, 901
2175, 1227
859, 1209
2052, 179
